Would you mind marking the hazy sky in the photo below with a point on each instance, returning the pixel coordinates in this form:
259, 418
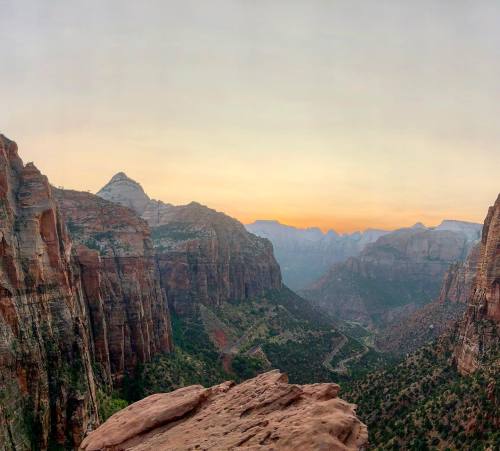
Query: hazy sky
344, 114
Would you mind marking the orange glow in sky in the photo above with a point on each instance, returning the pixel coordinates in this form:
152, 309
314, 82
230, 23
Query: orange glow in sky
343, 115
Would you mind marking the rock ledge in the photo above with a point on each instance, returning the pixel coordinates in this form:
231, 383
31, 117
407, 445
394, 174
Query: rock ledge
263, 413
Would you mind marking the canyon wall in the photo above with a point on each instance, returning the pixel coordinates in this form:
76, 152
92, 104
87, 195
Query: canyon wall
479, 330
47, 388
457, 282
204, 256
128, 308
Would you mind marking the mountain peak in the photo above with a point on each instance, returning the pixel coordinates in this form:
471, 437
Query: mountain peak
121, 176
418, 225
125, 191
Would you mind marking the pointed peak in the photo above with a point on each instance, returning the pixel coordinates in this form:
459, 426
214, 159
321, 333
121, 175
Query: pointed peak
122, 177
123, 190
418, 225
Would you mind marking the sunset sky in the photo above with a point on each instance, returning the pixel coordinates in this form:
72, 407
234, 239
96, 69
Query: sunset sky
341, 114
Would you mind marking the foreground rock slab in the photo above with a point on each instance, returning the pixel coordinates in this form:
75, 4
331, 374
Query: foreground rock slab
264, 413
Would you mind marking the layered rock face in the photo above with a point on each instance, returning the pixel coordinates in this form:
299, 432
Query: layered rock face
262, 413
306, 254
203, 256
46, 380
391, 277
457, 282
479, 331
128, 308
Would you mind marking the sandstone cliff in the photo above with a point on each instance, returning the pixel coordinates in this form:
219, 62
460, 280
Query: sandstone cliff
457, 282
204, 256
479, 330
263, 413
128, 308
46, 382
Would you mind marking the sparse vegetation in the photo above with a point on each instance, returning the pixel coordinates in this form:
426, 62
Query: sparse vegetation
423, 403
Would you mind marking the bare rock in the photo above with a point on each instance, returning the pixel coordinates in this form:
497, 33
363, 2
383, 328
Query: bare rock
263, 413
203, 255
46, 378
128, 308
457, 282
479, 331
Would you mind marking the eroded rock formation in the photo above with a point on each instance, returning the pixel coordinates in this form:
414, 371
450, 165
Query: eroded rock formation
263, 413
204, 256
479, 330
46, 381
128, 308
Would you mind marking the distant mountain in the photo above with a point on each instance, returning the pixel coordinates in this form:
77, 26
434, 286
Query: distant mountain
400, 272
471, 229
306, 254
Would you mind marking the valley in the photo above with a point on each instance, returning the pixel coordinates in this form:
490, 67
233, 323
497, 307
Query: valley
110, 299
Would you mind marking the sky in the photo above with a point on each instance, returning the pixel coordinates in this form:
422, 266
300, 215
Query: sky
338, 114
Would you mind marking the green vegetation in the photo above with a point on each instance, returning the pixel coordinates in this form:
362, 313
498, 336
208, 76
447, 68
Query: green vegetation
173, 231
422, 403
109, 404
279, 330
302, 357
293, 335
195, 360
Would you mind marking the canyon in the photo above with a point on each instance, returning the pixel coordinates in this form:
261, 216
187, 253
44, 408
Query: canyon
117, 298
89, 291
394, 276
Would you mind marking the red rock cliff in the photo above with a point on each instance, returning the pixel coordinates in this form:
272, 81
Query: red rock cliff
46, 379
480, 328
128, 308
204, 256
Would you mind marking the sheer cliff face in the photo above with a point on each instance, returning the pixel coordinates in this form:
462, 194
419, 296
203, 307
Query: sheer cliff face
208, 257
203, 256
393, 276
128, 308
46, 380
457, 282
479, 330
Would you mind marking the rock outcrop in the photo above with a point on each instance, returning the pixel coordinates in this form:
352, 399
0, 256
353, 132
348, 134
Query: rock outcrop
306, 254
392, 277
479, 331
128, 308
262, 413
204, 256
47, 387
